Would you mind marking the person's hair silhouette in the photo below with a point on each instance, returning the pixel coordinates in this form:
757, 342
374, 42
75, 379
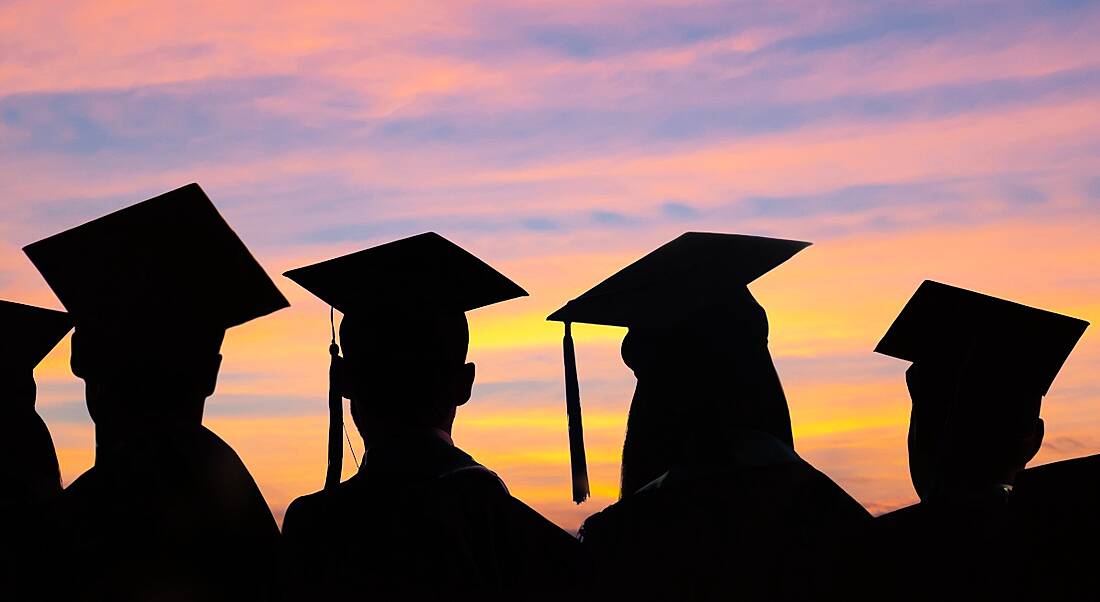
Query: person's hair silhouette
169, 510
30, 476
29, 471
721, 376
714, 500
421, 517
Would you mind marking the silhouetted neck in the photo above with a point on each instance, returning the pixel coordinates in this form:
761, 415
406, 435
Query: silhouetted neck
410, 437
114, 441
742, 447
425, 454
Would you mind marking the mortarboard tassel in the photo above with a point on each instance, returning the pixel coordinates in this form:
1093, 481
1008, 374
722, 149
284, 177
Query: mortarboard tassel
335, 414
577, 461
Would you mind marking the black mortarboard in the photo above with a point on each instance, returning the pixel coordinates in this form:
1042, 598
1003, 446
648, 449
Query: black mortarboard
170, 260
407, 277
680, 279
425, 270
944, 323
30, 333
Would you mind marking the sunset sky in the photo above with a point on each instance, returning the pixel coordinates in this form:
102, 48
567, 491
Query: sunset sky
559, 141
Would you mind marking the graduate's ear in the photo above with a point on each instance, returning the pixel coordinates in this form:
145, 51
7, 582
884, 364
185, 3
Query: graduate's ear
1035, 441
464, 383
79, 356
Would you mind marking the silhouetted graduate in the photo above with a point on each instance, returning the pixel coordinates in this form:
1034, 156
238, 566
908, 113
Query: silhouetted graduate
421, 518
981, 366
30, 477
715, 503
168, 511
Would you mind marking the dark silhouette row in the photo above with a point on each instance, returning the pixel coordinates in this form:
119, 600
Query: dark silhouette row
715, 502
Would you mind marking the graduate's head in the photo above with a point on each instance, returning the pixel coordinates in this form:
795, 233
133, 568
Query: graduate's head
981, 367
969, 428
152, 289
405, 369
720, 344
698, 344
29, 334
170, 376
404, 334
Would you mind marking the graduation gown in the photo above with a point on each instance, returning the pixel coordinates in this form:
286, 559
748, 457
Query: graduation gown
960, 548
30, 485
746, 525
1057, 508
170, 515
422, 520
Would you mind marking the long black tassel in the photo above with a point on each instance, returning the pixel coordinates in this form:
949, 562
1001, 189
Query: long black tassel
335, 416
577, 461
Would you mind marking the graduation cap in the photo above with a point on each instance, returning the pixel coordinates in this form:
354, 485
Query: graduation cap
666, 288
414, 276
30, 333
945, 323
171, 260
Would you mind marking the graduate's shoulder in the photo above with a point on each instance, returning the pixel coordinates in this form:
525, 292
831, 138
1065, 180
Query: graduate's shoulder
903, 518
622, 515
303, 508
313, 507
1061, 474
216, 446
821, 489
